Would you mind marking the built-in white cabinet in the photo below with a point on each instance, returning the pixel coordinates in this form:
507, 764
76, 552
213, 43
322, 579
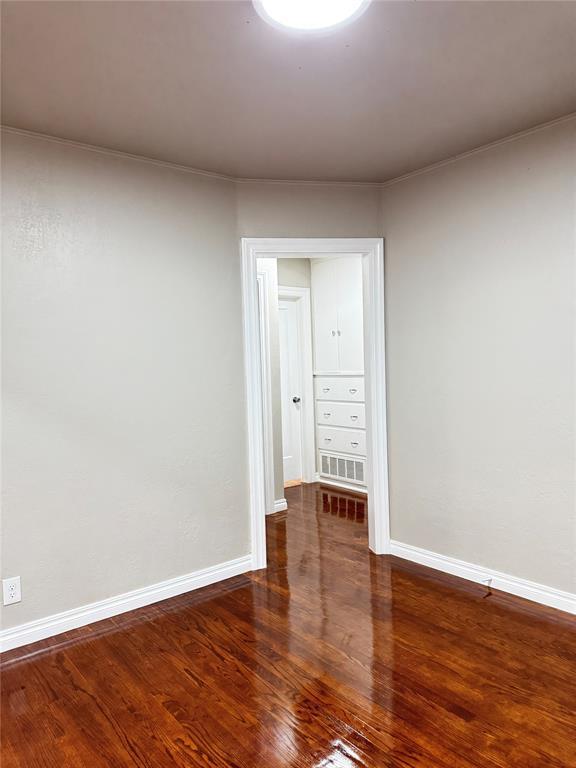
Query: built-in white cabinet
324, 316
341, 429
338, 342
337, 315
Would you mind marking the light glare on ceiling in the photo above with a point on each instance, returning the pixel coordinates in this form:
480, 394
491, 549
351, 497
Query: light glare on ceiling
310, 15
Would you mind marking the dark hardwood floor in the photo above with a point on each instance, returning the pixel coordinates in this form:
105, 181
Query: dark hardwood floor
332, 658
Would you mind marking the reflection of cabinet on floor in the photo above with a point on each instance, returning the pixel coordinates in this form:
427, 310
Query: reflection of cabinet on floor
337, 321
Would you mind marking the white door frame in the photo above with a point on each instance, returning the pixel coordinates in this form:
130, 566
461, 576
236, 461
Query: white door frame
372, 252
266, 368
301, 296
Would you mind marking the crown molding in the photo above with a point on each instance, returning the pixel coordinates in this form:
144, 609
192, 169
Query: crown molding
115, 153
311, 182
478, 150
176, 167
294, 182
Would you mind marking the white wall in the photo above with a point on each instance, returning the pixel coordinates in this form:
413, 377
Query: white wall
268, 209
124, 427
480, 268
124, 450
124, 418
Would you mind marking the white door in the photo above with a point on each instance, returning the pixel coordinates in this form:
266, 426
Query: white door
290, 389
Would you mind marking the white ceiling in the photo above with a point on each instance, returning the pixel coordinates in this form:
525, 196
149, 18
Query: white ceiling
210, 85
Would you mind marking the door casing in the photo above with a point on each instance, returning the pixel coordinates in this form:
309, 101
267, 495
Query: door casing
372, 252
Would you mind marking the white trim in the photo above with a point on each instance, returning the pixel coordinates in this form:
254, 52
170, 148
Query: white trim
280, 505
113, 606
372, 252
342, 374
309, 183
375, 398
302, 298
267, 417
254, 408
478, 150
300, 247
304, 182
119, 154
530, 590
183, 168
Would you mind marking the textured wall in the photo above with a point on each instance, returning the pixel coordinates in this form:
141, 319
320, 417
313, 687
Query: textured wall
124, 418
124, 448
124, 430
308, 210
480, 267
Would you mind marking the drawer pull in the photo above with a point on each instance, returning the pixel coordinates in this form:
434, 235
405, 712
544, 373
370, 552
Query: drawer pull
327, 415
327, 439
354, 418
352, 391
354, 444
325, 389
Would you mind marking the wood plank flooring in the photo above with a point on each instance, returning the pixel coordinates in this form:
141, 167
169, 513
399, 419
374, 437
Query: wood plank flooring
332, 658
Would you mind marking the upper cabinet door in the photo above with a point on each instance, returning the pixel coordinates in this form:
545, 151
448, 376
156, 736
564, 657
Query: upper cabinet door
347, 276
324, 316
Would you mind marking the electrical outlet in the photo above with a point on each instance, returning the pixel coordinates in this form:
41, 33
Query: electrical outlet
11, 590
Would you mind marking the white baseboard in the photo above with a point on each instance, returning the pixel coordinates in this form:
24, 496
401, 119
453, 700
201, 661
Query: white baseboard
280, 505
530, 590
112, 606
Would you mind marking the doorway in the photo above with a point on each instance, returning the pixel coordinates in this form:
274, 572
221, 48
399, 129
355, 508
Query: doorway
290, 388
371, 277
296, 390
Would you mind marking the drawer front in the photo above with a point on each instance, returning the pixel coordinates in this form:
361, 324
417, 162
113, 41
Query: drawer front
341, 414
339, 388
342, 440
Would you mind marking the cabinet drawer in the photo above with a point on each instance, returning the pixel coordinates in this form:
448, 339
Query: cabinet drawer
349, 389
342, 440
341, 414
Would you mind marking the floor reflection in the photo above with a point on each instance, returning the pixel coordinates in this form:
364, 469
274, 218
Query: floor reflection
334, 502
318, 555
332, 657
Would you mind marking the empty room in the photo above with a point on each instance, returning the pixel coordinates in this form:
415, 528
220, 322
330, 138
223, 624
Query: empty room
288, 384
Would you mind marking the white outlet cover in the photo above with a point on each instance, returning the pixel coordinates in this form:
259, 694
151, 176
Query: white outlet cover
11, 591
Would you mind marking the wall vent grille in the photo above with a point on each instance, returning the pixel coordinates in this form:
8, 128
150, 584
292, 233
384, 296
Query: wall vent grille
340, 468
